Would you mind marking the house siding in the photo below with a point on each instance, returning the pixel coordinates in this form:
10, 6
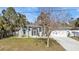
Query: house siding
30, 31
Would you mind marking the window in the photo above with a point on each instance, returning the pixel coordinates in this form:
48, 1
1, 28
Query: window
34, 32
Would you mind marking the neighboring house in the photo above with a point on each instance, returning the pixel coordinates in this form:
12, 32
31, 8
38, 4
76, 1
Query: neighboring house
30, 31
65, 32
75, 33
59, 33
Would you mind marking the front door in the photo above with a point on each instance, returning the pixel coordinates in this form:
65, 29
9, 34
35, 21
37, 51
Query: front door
34, 33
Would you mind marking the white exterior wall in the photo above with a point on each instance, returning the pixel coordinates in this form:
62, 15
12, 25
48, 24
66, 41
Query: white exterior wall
76, 32
26, 33
20, 33
59, 33
71, 34
63, 33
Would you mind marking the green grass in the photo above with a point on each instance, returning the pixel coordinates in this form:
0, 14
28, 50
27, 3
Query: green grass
28, 44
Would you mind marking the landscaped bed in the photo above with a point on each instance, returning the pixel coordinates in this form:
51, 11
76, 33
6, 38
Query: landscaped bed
28, 44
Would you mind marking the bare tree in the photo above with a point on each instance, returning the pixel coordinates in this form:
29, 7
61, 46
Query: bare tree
44, 20
52, 18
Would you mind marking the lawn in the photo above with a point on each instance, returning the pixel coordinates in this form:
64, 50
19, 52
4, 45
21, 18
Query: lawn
28, 44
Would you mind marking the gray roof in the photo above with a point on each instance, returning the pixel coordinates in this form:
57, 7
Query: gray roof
33, 25
67, 28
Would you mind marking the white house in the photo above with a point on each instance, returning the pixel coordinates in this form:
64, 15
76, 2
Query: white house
64, 33
59, 33
30, 31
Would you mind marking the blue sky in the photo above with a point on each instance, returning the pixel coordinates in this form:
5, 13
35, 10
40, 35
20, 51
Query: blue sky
32, 12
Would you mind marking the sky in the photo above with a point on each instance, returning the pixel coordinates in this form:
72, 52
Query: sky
33, 12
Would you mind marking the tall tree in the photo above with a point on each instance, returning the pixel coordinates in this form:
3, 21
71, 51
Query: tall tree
44, 20
21, 22
14, 19
11, 20
11, 15
2, 26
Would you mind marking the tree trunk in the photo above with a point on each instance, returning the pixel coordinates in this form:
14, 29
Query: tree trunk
48, 41
44, 31
48, 38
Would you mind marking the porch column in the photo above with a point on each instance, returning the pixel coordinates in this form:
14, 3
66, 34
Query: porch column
28, 31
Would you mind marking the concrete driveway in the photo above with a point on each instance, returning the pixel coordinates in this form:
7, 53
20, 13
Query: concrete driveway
67, 43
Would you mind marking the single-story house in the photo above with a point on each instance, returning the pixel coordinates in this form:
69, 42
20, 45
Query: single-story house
65, 33
30, 31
